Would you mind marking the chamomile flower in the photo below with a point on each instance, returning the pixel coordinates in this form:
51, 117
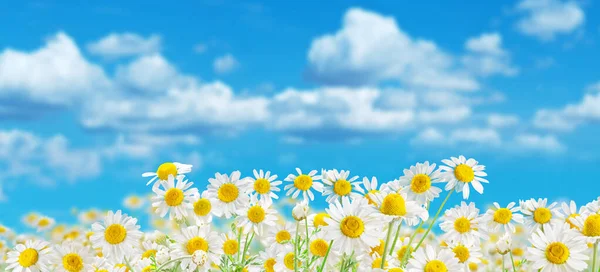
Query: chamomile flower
553, 249
134, 202
462, 224
370, 262
264, 184
30, 257
395, 206
499, 217
319, 244
466, 253
287, 260
229, 194
318, 219
72, 257
30, 219
280, 234
166, 170
302, 183
427, 259
44, 223
565, 212
400, 252
537, 213
230, 244
337, 185
460, 172
268, 257
176, 198
149, 249
417, 182
195, 238
353, 225
371, 187
202, 209
593, 207
143, 265
257, 216
117, 235
587, 226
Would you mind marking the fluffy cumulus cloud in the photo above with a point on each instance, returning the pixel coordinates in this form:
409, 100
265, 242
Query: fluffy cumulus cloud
502, 120
150, 74
117, 45
570, 116
545, 19
471, 136
487, 57
225, 64
546, 143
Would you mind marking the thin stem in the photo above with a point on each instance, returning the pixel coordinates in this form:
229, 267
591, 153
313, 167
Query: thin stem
395, 239
387, 241
246, 245
512, 261
172, 261
594, 256
296, 247
307, 242
437, 214
503, 264
326, 255
239, 236
408, 249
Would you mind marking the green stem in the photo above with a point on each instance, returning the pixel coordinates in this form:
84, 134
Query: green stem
594, 256
296, 247
172, 261
408, 249
307, 242
239, 236
326, 255
512, 261
246, 245
437, 214
395, 239
387, 241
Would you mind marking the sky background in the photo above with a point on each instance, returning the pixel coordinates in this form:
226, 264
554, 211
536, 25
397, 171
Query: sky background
91, 96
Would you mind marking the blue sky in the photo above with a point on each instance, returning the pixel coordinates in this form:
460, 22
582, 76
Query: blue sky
92, 96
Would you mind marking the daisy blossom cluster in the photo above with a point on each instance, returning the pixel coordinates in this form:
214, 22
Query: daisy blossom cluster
264, 223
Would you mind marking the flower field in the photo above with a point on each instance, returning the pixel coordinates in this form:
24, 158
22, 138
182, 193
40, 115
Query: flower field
264, 223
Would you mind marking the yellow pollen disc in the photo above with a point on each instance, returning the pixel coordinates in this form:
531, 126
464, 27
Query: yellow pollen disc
228, 192
591, 226
122, 266
461, 253
377, 263
462, 225
435, 266
518, 251
371, 202
502, 216
288, 260
147, 269
557, 253
44, 222
283, 236
256, 214
573, 226
165, 170
319, 247
542, 215
401, 252
202, 207
72, 262
464, 173
378, 248
342, 187
473, 266
393, 204
303, 182
319, 219
352, 226
230, 247
196, 243
28, 257
115, 234
174, 197
420, 183
269, 264
262, 186
395, 269
149, 253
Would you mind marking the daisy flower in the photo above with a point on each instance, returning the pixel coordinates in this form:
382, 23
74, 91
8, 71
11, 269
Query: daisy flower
280, 234
257, 215
427, 259
369, 262
587, 226
461, 224
371, 187
44, 223
302, 183
498, 217
565, 212
72, 257
337, 185
352, 225
230, 244
417, 180
166, 170
459, 172
400, 249
268, 257
149, 249
195, 238
536, 213
176, 198
395, 206
285, 260
466, 253
202, 209
117, 235
593, 207
318, 219
319, 244
133, 202
265, 184
142, 266
554, 250
30, 257
504, 244
229, 194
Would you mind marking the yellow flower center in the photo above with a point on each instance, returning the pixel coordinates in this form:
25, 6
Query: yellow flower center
473, 266
149, 253
420, 183
262, 186
591, 226
573, 226
283, 236
122, 266
319, 219
269, 264
462, 225
393, 204
557, 253
464, 173
542, 215
147, 269
228, 192
371, 202
502, 216
378, 248
28, 257
2, 229
288, 260
202, 207
72, 262
303, 182
352, 226
115, 234
461, 253
518, 251
165, 170
230, 247
256, 214
174, 197
377, 263
196, 243
395, 269
342, 187
401, 252
44, 222
319, 247
435, 266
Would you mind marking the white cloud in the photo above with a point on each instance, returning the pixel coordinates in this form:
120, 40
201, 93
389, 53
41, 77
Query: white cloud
145, 145
225, 64
547, 143
486, 43
594, 87
487, 57
125, 44
445, 115
429, 136
470, 135
502, 120
72, 163
547, 18
570, 116
150, 73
